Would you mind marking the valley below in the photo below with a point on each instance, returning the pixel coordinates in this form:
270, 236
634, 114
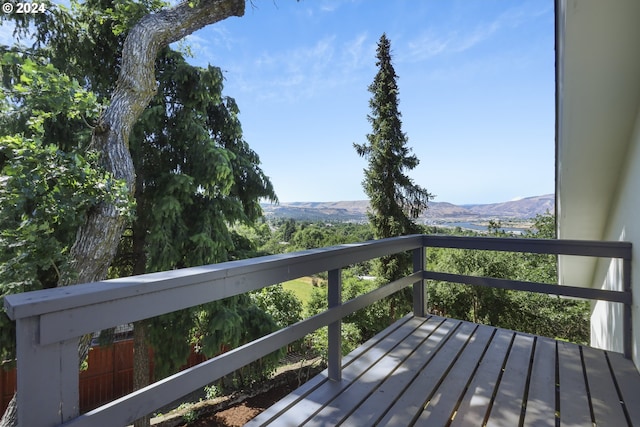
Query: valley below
514, 215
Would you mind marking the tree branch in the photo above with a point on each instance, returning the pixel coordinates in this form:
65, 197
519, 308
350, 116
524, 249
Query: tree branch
97, 239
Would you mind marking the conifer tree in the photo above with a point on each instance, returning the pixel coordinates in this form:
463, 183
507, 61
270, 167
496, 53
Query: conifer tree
395, 201
196, 175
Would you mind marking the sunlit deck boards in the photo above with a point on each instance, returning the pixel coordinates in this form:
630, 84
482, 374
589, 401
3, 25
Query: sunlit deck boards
440, 372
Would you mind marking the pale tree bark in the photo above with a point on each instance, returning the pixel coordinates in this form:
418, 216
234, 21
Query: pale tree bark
97, 239
10, 417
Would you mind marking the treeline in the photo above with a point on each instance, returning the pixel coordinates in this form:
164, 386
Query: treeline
538, 314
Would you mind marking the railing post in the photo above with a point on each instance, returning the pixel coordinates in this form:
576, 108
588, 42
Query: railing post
47, 377
335, 328
419, 290
627, 321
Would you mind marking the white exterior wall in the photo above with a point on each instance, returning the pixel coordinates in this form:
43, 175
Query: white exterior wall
623, 224
598, 149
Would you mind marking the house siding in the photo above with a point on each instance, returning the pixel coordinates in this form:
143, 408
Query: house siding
622, 224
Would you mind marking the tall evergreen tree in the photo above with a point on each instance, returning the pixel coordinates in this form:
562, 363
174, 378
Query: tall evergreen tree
395, 201
196, 176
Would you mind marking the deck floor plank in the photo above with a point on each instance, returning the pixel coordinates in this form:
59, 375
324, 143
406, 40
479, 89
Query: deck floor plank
378, 402
574, 404
442, 405
507, 405
628, 380
541, 401
605, 401
436, 371
297, 405
282, 410
413, 399
473, 407
329, 390
385, 368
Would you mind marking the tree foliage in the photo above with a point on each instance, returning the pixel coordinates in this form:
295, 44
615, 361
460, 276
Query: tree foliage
196, 174
369, 320
534, 313
46, 186
280, 304
395, 199
196, 177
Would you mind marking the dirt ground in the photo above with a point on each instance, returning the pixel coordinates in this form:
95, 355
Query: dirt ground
236, 410
240, 413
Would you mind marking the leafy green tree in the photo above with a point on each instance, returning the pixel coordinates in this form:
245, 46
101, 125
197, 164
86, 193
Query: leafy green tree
540, 267
310, 237
394, 198
534, 313
48, 183
351, 339
282, 305
196, 176
288, 229
45, 189
475, 303
368, 320
94, 41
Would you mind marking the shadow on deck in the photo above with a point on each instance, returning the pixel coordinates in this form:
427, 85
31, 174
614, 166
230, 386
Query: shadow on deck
443, 372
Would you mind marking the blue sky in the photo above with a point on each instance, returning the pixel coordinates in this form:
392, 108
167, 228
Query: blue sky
476, 80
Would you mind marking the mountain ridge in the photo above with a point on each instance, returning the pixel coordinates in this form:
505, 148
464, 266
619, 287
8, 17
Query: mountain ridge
356, 210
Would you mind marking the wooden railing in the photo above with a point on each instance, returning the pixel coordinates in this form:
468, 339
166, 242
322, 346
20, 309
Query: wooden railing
50, 322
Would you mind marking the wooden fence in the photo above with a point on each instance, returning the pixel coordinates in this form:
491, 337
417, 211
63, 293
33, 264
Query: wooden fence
108, 377
7, 387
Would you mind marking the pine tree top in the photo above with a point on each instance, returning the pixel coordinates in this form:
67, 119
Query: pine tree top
395, 200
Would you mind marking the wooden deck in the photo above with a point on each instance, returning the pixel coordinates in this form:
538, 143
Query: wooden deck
442, 372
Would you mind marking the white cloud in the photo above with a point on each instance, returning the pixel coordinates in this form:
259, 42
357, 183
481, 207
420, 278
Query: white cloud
439, 41
304, 70
428, 45
328, 6
356, 52
431, 43
206, 46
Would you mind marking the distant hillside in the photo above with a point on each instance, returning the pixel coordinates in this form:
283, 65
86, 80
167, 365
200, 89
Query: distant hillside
524, 208
319, 211
438, 211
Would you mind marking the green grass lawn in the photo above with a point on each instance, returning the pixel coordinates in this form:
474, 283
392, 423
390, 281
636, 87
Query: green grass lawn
301, 287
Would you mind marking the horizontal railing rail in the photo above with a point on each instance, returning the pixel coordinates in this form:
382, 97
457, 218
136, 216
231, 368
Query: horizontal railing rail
541, 288
50, 322
589, 248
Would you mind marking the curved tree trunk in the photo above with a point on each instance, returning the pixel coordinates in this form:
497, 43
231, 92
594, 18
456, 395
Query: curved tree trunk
97, 239
10, 417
